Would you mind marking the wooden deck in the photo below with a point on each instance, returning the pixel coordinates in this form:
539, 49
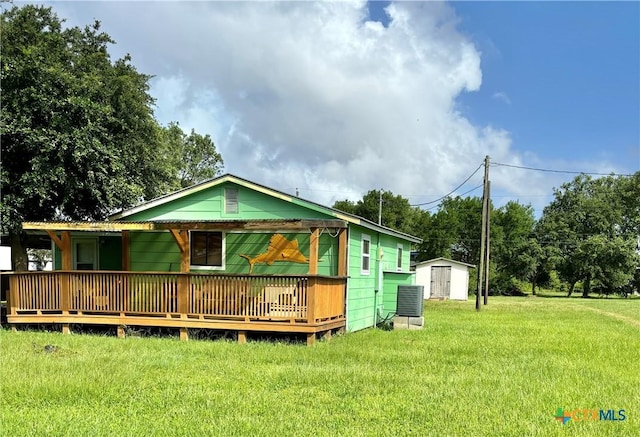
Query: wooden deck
308, 304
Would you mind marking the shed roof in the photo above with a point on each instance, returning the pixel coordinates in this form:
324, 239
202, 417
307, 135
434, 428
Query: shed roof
432, 261
349, 218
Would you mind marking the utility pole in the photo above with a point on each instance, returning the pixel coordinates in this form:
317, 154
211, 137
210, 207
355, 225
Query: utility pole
483, 236
488, 238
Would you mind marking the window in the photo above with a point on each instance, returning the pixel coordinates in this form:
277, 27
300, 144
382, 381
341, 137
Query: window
365, 266
399, 259
231, 200
207, 249
85, 254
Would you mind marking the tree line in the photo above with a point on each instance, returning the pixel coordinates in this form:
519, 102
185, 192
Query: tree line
589, 235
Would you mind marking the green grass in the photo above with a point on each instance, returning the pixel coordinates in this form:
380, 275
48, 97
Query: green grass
503, 371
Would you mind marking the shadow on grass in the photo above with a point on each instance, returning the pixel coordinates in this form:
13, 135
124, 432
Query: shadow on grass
158, 332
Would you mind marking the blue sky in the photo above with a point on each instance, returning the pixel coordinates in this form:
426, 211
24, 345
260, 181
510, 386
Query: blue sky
335, 99
563, 77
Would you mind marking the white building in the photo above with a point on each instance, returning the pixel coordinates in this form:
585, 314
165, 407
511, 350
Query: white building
444, 278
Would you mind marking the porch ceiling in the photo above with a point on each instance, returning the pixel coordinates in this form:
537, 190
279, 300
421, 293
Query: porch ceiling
159, 225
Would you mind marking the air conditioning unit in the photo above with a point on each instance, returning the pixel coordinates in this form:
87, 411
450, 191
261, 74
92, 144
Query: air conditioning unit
410, 300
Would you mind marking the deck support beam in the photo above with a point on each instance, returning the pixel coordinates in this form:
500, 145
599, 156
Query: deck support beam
66, 329
342, 252
242, 337
120, 331
64, 244
311, 338
184, 334
314, 241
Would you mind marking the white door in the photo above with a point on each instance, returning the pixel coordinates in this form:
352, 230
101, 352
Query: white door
440, 282
85, 254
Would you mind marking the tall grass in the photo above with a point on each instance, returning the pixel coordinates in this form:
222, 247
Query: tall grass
502, 371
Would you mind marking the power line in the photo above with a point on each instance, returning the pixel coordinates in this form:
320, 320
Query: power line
498, 164
454, 190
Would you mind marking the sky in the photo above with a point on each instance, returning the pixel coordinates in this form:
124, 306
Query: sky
333, 99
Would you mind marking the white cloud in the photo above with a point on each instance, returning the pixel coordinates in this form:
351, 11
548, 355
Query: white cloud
311, 95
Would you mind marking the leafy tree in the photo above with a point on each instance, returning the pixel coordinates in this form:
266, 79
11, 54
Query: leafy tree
79, 139
454, 231
397, 213
589, 224
194, 155
514, 248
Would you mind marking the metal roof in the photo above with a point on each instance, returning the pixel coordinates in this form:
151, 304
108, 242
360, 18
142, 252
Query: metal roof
119, 226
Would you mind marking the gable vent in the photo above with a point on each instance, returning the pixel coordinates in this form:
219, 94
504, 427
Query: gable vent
231, 200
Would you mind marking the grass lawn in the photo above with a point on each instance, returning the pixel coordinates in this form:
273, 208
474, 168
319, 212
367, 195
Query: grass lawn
503, 371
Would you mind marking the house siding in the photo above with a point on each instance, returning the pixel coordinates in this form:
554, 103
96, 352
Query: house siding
158, 251
208, 204
373, 296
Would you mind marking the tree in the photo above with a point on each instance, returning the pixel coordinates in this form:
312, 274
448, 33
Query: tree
79, 139
514, 248
194, 155
454, 231
593, 225
397, 213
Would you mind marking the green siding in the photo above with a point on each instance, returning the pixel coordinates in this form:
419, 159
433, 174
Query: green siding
370, 295
158, 251
208, 204
391, 282
153, 252
110, 253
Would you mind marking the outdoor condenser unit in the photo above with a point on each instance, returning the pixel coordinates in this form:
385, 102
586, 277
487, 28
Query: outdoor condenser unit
410, 300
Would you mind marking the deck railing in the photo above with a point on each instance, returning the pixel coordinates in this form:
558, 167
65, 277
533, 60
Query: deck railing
299, 299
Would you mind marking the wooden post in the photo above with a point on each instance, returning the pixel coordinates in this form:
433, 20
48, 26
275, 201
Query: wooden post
184, 334
182, 238
183, 294
126, 260
66, 329
66, 251
488, 238
342, 252
65, 292
64, 244
311, 300
314, 239
242, 337
121, 333
12, 305
483, 231
311, 338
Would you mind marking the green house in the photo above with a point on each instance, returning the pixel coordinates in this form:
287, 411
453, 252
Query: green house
224, 254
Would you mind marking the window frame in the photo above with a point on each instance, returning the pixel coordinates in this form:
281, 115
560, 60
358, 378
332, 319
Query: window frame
363, 255
399, 254
223, 238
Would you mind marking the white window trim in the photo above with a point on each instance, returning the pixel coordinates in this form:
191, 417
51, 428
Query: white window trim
224, 253
399, 255
364, 238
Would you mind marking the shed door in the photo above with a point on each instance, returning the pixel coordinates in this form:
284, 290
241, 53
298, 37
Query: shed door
440, 282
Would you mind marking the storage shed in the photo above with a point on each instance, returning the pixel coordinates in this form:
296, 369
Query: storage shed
444, 278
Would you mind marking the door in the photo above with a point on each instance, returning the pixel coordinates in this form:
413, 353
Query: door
440, 282
85, 254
